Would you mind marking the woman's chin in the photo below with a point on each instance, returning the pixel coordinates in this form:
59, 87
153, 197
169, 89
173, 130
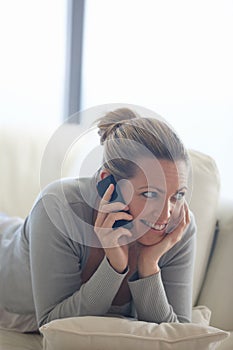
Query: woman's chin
152, 237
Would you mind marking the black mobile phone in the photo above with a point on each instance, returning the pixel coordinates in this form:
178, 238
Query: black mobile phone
116, 197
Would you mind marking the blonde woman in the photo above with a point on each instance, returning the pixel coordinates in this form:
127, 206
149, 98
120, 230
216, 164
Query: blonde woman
121, 242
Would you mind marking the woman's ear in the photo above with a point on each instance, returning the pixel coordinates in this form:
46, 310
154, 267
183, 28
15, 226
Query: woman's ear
104, 173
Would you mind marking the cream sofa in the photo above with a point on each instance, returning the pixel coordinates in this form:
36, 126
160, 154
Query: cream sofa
29, 160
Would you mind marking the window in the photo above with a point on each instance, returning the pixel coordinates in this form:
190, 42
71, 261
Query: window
33, 61
174, 57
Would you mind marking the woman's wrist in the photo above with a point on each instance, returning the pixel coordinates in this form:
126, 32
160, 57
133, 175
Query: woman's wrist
119, 269
146, 270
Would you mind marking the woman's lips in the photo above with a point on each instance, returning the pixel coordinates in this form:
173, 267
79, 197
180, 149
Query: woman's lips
156, 227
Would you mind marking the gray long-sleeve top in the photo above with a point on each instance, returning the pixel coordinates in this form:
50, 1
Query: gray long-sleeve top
42, 259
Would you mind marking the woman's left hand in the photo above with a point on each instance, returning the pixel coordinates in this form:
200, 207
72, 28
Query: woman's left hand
149, 256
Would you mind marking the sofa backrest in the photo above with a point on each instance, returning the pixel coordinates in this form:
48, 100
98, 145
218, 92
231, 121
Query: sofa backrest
204, 205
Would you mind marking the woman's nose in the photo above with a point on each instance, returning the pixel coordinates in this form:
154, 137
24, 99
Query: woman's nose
167, 211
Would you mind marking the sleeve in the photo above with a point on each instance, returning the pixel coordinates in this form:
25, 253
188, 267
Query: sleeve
55, 261
167, 295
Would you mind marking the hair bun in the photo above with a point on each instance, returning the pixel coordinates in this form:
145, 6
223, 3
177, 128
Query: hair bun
113, 120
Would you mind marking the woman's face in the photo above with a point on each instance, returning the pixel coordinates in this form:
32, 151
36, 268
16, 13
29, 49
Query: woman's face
155, 196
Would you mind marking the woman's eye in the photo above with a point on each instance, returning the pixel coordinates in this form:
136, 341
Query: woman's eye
150, 194
179, 195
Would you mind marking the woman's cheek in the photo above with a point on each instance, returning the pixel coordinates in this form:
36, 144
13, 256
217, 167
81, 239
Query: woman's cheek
147, 209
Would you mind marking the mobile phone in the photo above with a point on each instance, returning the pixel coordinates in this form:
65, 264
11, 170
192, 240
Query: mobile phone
116, 197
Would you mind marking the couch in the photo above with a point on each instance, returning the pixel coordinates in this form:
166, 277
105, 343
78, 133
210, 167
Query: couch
29, 159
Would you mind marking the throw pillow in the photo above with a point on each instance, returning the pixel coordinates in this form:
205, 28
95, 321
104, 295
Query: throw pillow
105, 333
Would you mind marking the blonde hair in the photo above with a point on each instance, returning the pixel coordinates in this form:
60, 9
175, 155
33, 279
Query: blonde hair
126, 136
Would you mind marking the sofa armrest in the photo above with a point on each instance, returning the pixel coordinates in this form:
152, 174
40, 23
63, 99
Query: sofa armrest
218, 285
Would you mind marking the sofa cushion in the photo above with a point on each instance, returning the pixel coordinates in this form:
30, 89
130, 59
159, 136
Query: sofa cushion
31, 159
88, 332
20, 156
11, 340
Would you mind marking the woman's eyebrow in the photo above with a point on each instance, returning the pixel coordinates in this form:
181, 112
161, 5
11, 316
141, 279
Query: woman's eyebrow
182, 188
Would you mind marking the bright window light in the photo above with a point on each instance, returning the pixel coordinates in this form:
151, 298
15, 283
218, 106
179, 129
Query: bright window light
174, 57
32, 61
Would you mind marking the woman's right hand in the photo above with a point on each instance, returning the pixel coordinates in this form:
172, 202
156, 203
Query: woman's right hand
113, 241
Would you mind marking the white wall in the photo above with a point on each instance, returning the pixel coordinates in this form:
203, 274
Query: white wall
174, 57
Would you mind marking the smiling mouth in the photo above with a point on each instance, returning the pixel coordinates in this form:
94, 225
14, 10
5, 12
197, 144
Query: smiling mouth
154, 226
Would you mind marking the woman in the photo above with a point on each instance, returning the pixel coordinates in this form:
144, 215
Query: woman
78, 254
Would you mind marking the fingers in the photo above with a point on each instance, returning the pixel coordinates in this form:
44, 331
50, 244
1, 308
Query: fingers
187, 214
107, 221
178, 232
112, 239
109, 212
108, 194
106, 206
183, 221
113, 217
113, 207
184, 217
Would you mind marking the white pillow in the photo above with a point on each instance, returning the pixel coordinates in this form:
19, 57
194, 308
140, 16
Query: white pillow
111, 333
201, 315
